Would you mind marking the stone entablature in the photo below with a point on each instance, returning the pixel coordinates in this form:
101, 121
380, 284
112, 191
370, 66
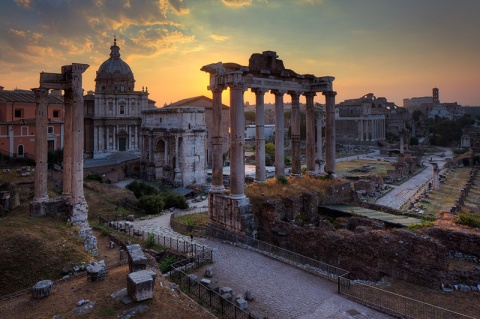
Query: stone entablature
174, 140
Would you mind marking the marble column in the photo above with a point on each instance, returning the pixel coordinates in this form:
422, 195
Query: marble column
78, 133
361, 129
150, 146
295, 134
319, 167
237, 140
68, 147
279, 134
217, 138
178, 173
330, 132
310, 130
41, 145
260, 171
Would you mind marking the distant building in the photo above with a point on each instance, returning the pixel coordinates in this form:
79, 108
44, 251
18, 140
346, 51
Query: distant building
431, 107
113, 112
206, 103
17, 122
174, 139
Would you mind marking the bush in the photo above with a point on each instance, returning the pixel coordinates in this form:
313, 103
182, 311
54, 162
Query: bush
140, 189
172, 199
151, 204
93, 178
165, 263
150, 240
469, 219
282, 179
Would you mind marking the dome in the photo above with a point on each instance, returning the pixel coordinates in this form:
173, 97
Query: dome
114, 64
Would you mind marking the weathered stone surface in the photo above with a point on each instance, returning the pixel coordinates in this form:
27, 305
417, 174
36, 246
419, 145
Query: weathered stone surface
136, 258
205, 281
120, 294
249, 295
84, 307
241, 303
226, 296
209, 272
42, 289
226, 290
133, 311
96, 271
140, 285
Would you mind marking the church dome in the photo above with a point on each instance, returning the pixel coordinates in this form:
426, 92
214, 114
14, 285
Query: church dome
114, 64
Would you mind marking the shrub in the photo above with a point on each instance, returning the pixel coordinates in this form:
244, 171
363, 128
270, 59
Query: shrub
150, 240
165, 263
93, 177
140, 189
151, 204
172, 199
469, 219
282, 179
415, 227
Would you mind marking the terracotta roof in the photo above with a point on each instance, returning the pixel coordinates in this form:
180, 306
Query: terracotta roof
26, 96
197, 101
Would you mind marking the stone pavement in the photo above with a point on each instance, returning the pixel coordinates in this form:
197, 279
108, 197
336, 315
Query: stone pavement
281, 290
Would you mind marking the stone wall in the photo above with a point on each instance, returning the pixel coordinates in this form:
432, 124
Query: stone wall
458, 240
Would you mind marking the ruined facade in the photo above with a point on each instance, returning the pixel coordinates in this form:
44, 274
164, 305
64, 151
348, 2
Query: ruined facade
174, 140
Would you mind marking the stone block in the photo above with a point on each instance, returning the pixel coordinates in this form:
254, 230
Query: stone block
226, 297
192, 279
119, 294
42, 289
209, 272
249, 296
205, 281
241, 303
226, 290
140, 285
214, 287
136, 258
96, 271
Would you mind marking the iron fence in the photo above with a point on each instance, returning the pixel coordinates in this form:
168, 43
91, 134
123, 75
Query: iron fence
206, 296
392, 303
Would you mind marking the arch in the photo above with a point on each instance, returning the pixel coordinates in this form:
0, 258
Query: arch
122, 141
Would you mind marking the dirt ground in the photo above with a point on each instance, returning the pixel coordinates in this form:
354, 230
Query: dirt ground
167, 302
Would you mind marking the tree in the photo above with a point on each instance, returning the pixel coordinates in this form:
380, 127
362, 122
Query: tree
270, 151
249, 117
446, 132
417, 115
466, 120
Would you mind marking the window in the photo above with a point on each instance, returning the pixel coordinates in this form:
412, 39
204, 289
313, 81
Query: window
20, 150
122, 109
50, 130
18, 112
24, 130
56, 113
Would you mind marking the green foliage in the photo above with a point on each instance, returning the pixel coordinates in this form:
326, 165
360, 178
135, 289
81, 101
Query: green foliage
140, 189
151, 204
165, 263
424, 223
413, 140
282, 179
150, 240
249, 117
270, 151
466, 120
459, 151
172, 199
107, 312
446, 132
55, 157
417, 115
93, 177
469, 219
288, 161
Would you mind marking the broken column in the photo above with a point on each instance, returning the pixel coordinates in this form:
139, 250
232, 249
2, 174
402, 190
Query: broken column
136, 258
330, 132
140, 285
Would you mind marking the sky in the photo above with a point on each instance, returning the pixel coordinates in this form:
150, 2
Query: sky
393, 48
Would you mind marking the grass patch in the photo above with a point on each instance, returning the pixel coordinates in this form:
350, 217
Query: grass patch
165, 263
193, 219
469, 219
424, 223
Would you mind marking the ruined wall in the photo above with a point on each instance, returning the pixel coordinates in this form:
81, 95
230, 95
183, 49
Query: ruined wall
457, 240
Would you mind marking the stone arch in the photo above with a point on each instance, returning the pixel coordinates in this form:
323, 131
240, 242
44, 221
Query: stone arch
20, 150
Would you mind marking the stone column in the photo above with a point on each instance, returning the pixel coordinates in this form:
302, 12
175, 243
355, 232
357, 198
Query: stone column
237, 140
279, 134
310, 130
330, 132
217, 138
178, 173
68, 147
295, 134
435, 175
260, 172
361, 128
319, 159
150, 146
41, 146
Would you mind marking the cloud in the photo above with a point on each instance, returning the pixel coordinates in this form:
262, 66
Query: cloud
23, 3
237, 3
218, 37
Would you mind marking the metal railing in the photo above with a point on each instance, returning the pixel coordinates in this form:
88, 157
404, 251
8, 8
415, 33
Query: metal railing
392, 303
206, 296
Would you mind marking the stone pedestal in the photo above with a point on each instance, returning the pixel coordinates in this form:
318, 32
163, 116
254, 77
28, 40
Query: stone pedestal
42, 289
96, 271
137, 260
140, 285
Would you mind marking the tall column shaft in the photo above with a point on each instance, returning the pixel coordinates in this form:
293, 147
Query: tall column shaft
295, 134
319, 160
41, 145
310, 130
217, 138
68, 145
330, 132
260, 171
279, 134
237, 140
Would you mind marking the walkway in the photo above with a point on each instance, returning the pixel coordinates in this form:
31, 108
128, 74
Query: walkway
281, 291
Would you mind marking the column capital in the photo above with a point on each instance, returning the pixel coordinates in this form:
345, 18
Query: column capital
238, 86
217, 88
278, 92
259, 90
40, 93
295, 93
329, 93
310, 94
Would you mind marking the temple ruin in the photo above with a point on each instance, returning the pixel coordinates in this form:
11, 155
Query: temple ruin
265, 73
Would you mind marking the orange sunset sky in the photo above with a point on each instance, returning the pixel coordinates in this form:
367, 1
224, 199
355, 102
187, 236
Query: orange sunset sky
396, 49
